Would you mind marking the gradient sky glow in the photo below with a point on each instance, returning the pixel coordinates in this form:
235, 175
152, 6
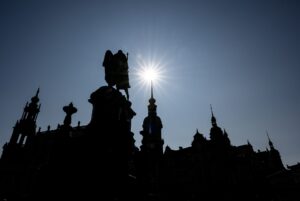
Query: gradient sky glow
240, 56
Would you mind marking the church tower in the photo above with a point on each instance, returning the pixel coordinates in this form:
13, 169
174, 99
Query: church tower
217, 136
152, 141
24, 129
150, 157
275, 161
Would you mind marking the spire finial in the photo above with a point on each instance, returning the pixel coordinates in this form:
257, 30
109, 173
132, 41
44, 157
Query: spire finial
270, 142
268, 135
151, 85
35, 98
212, 113
213, 119
152, 105
37, 92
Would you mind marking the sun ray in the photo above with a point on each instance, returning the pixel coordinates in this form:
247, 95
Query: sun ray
149, 71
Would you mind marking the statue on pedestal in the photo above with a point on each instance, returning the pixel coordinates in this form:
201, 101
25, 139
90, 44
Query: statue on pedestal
116, 70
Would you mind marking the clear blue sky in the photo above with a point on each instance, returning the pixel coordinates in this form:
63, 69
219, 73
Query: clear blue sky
240, 56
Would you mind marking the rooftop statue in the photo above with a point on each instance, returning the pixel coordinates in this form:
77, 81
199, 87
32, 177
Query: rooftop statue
116, 70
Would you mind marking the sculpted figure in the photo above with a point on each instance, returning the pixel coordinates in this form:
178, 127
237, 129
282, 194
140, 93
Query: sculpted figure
116, 70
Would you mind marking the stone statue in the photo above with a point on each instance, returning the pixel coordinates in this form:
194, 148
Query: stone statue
109, 68
116, 70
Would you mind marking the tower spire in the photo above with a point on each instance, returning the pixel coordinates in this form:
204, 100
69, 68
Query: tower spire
32, 109
152, 147
152, 125
24, 129
37, 92
270, 142
152, 106
151, 85
213, 119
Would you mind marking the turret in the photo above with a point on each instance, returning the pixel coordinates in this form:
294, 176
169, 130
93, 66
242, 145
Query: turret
216, 133
199, 140
274, 158
218, 137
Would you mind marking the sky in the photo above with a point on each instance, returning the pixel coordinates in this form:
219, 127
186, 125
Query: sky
240, 56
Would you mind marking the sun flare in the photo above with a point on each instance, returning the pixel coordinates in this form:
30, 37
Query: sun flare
149, 74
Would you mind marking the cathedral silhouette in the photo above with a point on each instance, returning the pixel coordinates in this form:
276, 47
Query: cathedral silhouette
99, 161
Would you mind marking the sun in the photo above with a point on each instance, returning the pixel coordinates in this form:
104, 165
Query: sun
149, 74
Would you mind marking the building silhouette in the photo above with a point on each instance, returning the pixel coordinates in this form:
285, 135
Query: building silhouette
100, 160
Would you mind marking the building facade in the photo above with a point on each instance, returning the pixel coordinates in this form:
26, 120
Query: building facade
100, 160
